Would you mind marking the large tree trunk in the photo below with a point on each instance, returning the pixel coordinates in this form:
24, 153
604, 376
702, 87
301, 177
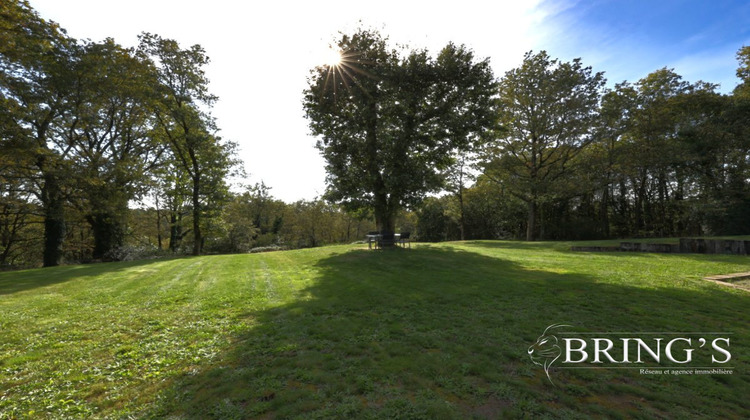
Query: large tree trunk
387, 227
54, 221
175, 230
664, 225
198, 238
109, 234
639, 204
462, 219
531, 223
604, 212
385, 218
386, 223
158, 223
108, 220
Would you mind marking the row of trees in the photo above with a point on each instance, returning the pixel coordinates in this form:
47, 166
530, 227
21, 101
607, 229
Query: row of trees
88, 128
111, 153
659, 157
558, 154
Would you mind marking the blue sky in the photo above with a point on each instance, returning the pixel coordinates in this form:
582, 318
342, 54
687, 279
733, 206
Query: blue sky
629, 39
261, 52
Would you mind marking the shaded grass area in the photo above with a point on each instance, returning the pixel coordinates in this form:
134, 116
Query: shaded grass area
438, 331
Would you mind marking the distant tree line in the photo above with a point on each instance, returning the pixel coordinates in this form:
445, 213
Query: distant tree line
659, 157
255, 221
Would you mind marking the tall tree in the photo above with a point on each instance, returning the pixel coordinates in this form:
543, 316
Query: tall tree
34, 84
458, 175
182, 96
548, 108
652, 129
743, 72
606, 155
718, 141
388, 122
652, 147
109, 128
171, 189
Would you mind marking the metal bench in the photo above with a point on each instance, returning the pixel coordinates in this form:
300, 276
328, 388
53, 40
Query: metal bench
404, 239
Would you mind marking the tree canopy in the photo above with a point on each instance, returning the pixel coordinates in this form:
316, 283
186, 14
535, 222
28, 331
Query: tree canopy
109, 153
87, 128
389, 120
181, 98
548, 108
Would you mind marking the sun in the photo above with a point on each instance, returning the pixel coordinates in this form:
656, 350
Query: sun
337, 69
332, 57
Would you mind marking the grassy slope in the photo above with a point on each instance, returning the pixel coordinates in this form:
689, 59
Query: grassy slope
436, 332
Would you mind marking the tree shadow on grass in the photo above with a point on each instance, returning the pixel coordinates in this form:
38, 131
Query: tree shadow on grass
438, 332
21, 280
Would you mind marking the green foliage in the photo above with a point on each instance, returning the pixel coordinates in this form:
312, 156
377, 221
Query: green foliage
432, 220
197, 152
34, 83
89, 128
318, 222
255, 219
658, 150
389, 121
26, 39
112, 151
20, 231
659, 157
548, 108
489, 212
743, 71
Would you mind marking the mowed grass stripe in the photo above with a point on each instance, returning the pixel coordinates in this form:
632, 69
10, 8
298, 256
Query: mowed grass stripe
438, 331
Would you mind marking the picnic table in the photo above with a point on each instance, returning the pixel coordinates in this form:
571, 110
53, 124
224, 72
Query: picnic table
380, 240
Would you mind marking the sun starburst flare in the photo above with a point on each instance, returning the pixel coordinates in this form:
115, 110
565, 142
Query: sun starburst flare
341, 68
332, 57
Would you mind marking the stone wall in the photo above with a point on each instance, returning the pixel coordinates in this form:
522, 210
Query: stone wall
645, 247
714, 246
686, 246
595, 248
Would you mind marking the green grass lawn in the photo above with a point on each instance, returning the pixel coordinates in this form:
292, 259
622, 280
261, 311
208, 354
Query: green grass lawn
438, 331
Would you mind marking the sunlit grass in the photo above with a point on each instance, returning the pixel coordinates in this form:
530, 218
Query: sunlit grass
439, 331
